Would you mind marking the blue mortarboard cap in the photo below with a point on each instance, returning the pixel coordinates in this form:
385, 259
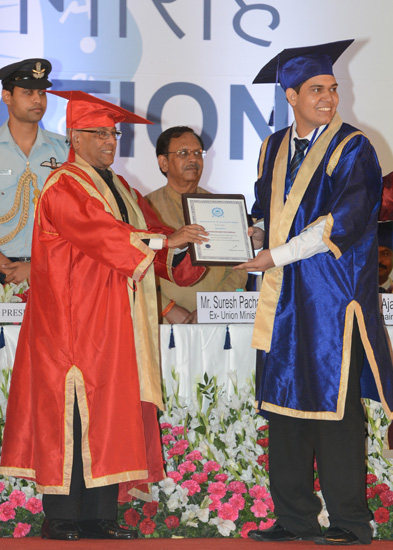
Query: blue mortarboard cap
385, 234
294, 66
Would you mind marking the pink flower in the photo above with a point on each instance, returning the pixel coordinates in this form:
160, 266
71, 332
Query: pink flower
237, 487
166, 426
17, 498
218, 489
269, 503
34, 505
215, 503
185, 467
371, 478
147, 526
166, 439
259, 492
237, 501
199, 478
21, 530
172, 522
132, 517
178, 448
381, 515
2, 486
386, 498
194, 455
227, 511
211, 466
178, 430
175, 476
248, 526
7, 511
192, 486
259, 509
221, 477
267, 523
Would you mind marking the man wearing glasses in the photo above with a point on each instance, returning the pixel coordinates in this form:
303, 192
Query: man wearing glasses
180, 153
86, 379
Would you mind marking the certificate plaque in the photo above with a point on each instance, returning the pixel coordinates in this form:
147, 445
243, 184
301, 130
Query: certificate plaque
224, 217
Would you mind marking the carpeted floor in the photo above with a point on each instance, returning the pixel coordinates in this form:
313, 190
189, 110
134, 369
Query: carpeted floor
35, 543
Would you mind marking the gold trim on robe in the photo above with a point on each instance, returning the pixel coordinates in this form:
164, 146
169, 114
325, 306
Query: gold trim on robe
282, 215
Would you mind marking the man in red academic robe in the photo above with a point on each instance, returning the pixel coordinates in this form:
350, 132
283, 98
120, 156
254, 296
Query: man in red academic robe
81, 415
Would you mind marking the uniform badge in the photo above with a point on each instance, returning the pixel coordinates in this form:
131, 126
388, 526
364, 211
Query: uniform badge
38, 72
51, 163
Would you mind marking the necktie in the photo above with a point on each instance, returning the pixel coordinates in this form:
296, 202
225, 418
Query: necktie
300, 148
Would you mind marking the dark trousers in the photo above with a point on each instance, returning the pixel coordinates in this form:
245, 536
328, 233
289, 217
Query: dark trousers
339, 447
81, 503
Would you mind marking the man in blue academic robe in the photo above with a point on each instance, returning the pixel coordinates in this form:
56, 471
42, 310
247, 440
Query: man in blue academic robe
317, 202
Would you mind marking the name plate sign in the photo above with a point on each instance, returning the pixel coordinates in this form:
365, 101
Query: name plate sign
12, 312
386, 301
227, 307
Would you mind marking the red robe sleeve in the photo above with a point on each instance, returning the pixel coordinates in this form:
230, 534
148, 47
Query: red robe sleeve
184, 274
67, 213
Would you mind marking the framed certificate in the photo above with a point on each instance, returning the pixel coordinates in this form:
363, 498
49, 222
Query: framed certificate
224, 217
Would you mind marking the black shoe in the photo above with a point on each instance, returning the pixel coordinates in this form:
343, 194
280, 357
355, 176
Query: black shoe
275, 534
104, 529
59, 529
337, 536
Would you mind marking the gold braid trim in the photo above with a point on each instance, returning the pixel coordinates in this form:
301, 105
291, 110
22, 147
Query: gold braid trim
22, 195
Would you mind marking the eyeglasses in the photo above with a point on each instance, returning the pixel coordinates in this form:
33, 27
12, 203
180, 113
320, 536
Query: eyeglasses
104, 134
184, 153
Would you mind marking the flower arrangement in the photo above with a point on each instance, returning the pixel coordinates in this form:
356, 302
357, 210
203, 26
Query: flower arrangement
216, 454
21, 514
10, 292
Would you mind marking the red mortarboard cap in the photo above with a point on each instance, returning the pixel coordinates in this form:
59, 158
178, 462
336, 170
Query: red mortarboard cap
87, 111
294, 66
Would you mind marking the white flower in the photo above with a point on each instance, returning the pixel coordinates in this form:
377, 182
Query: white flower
224, 526
155, 492
8, 291
189, 517
229, 437
29, 491
247, 475
173, 502
203, 514
167, 485
235, 402
323, 518
233, 377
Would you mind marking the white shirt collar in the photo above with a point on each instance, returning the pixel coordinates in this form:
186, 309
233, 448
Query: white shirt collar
294, 135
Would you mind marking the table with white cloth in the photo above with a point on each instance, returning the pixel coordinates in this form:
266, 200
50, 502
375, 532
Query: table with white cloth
198, 350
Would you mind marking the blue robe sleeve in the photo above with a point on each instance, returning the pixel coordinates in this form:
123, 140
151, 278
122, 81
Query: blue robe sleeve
357, 187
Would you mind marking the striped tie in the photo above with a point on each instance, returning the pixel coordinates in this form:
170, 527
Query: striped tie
300, 147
